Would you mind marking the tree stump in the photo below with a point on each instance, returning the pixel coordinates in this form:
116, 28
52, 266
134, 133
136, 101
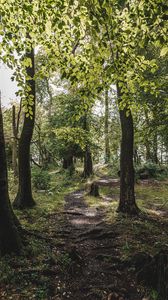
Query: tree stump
94, 190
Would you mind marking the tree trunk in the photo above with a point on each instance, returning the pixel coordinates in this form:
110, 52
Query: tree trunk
14, 144
24, 198
94, 190
88, 164
127, 202
9, 237
50, 99
147, 141
148, 152
137, 159
161, 153
155, 147
68, 162
106, 128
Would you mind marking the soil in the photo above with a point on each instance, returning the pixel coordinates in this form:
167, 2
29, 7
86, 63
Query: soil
96, 270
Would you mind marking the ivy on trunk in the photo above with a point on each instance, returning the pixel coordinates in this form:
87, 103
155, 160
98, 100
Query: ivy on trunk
24, 198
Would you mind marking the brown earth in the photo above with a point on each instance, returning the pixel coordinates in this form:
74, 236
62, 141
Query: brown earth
96, 270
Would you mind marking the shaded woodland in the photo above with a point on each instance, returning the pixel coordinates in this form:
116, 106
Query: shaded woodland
84, 150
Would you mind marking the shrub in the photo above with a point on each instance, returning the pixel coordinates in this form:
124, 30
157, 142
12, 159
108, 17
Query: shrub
41, 179
151, 170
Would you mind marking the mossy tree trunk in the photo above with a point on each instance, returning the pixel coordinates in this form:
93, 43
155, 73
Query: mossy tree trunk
24, 198
10, 240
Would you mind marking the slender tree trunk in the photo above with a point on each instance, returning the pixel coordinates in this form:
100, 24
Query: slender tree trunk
147, 138
88, 164
106, 128
127, 202
148, 152
155, 148
161, 154
24, 198
14, 144
9, 237
136, 157
50, 99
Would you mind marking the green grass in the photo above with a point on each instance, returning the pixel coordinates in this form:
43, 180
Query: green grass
153, 196
46, 202
16, 281
146, 233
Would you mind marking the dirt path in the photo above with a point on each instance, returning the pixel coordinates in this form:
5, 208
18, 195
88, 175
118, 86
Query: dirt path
84, 251
94, 269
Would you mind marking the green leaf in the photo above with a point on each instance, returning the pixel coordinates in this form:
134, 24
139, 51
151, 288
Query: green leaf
164, 51
48, 28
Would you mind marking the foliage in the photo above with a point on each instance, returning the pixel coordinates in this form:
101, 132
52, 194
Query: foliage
151, 170
41, 179
154, 295
68, 126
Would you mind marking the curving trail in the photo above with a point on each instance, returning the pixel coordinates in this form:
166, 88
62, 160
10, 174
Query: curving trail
93, 246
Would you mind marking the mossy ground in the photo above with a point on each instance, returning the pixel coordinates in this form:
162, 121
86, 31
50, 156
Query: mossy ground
148, 232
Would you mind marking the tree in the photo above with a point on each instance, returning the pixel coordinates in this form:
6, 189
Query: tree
153, 109
24, 198
10, 240
68, 126
15, 127
106, 128
111, 39
99, 43
88, 164
127, 202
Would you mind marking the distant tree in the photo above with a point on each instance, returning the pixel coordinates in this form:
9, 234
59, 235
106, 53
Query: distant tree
88, 163
67, 125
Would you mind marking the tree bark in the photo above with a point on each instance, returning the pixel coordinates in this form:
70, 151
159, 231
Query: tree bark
24, 198
14, 144
127, 203
10, 240
50, 99
155, 147
94, 190
68, 162
147, 141
106, 128
88, 164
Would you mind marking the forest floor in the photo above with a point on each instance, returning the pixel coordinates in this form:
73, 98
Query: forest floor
85, 250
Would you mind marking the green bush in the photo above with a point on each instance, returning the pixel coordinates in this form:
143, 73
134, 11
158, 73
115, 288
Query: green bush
151, 170
41, 179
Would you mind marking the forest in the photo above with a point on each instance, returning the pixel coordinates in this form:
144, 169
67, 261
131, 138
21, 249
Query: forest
84, 150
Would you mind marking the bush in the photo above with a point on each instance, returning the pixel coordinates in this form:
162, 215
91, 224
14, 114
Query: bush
151, 170
41, 179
